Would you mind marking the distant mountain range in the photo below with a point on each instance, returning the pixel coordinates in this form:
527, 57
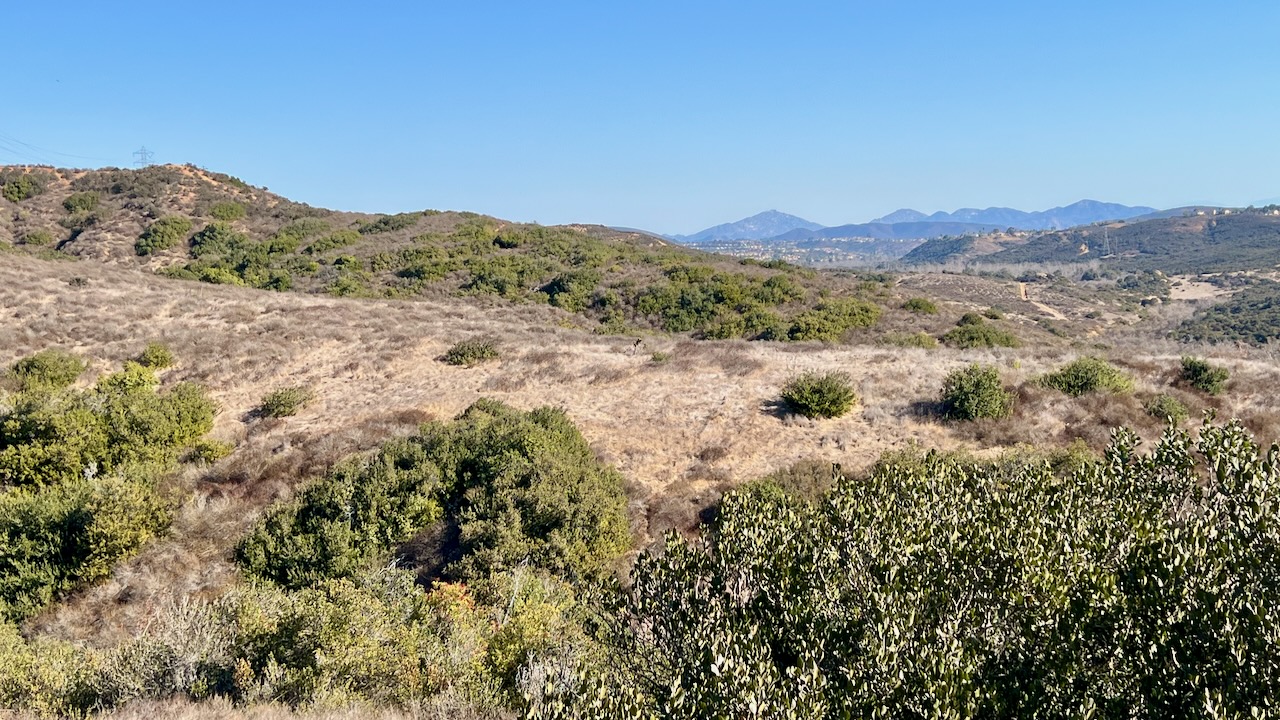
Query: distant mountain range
913, 224
767, 224
1078, 213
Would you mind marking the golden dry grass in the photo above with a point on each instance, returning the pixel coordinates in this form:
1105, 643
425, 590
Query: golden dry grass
681, 431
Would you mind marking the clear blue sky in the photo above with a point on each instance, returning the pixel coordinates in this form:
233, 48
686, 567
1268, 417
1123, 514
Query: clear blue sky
669, 116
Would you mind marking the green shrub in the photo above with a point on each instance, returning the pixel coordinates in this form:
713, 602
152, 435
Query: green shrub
468, 353
820, 395
1086, 375
208, 451
285, 402
979, 335
659, 356
47, 370
992, 313
21, 188
975, 392
970, 319
218, 238
226, 211
916, 339
1166, 407
333, 241
163, 234
57, 538
40, 238
390, 223
512, 487
920, 306
156, 356
1201, 375
81, 202
830, 320
1130, 587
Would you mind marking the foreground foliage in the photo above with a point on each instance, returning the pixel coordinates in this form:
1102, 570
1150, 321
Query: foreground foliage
78, 470
1133, 587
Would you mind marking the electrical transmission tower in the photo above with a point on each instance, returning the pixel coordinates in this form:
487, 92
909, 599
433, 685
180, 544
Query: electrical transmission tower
144, 157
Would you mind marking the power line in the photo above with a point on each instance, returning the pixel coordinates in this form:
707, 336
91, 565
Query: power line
11, 140
144, 156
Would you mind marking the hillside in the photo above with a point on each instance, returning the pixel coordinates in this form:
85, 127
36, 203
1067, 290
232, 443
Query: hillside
1238, 241
223, 494
187, 223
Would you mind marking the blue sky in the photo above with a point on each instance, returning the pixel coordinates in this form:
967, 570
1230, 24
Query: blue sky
669, 116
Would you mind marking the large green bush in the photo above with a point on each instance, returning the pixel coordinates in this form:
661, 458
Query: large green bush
512, 487
227, 211
820, 395
1203, 376
81, 202
1087, 375
972, 331
920, 306
22, 187
831, 319
163, 234
1138, 586
77, 470
285, 401
469, 353
47, 370
975, 392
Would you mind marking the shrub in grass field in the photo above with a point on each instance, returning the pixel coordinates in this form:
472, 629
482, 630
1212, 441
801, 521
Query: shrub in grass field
820, 395
916, 340
470, 352
1166, 407
972, 331
920, 306
975, 392
40, 238
47, 370
285, 402
156, 356
1204, 377
1086, 375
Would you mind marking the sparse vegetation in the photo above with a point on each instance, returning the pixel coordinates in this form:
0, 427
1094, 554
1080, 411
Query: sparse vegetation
469, 353
1088, 375
286, 401
975, 392
38, 238
1201, 375
820, 395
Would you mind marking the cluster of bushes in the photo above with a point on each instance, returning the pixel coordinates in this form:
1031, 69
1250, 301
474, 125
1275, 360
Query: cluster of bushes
378, 639
468, 353
163, 234
497, 488
973, 331
19, 186
77, 471
1250, 316
1130, 586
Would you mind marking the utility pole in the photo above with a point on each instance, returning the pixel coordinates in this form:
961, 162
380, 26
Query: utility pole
144, 157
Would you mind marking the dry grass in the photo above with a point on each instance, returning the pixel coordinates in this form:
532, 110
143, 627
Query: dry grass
681, 431
442, 708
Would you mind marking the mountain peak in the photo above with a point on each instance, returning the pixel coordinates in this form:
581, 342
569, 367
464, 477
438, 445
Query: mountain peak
761, 225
